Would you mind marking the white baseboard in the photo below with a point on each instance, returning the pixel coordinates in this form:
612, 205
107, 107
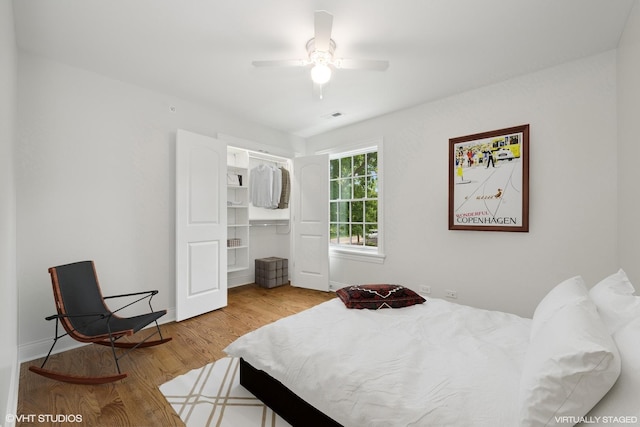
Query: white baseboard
334, 286
233, 282
37, 349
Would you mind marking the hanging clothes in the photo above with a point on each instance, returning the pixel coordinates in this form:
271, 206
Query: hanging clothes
286, 189
277, 187
261, 186
270, 187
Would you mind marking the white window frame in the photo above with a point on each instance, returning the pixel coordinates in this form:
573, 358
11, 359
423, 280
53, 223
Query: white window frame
365, 253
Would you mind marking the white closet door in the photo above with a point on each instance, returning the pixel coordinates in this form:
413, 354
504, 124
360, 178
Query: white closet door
201, 224
310, 194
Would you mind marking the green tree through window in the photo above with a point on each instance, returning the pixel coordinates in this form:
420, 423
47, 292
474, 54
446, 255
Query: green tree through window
354, 200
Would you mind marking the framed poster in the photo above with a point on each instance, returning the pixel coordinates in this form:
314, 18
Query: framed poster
489, 181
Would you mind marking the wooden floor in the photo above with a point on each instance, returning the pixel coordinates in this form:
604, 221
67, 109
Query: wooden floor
136, 400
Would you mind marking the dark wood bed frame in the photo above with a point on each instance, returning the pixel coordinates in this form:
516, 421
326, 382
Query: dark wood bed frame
283, 401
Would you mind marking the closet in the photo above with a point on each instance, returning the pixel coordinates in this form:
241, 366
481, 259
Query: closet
220, 233
255, 230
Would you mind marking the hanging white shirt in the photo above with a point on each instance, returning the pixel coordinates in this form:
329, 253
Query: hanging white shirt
261, 186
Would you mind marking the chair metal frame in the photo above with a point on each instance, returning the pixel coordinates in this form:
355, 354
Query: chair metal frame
110, 337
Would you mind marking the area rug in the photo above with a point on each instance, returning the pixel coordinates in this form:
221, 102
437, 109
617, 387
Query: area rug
212, 396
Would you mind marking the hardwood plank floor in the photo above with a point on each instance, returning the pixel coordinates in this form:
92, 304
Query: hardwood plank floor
136, 400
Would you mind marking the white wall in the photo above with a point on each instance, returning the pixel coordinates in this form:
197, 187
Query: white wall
573, 201
94, 176
628, 146
8, 284
95, 180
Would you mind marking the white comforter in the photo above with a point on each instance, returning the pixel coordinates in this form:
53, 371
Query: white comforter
434, 364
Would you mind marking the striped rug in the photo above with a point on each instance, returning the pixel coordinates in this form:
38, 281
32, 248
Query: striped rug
212, 396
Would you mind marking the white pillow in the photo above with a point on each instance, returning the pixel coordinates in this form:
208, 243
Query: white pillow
571, 363
571, 291
615, 301
623, 398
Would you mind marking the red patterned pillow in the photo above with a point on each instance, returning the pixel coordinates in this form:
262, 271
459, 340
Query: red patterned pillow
375, 297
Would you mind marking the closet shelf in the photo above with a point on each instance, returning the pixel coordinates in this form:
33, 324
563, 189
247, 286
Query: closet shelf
237, 210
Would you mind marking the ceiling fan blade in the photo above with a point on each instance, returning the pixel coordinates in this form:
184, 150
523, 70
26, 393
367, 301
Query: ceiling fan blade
323, 23
281, 63
361, 64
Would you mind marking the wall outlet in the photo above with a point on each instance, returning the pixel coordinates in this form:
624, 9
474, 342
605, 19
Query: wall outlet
451, 294
424, 289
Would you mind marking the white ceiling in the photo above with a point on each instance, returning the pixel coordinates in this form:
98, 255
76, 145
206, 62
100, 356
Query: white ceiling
201, 50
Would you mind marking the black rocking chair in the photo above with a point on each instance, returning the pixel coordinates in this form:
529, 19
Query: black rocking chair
86, 318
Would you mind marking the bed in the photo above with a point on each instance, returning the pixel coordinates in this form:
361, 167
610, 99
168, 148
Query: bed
438, 363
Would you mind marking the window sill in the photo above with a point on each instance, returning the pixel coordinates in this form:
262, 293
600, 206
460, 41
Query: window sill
357, 255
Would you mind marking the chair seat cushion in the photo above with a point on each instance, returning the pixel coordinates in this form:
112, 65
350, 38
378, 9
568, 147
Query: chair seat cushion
118, 325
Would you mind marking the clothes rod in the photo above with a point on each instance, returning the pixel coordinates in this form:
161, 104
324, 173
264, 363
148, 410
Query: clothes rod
266, 156
267, 223
278, 224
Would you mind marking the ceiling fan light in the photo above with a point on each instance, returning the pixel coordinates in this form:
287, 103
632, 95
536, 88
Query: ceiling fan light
320, 74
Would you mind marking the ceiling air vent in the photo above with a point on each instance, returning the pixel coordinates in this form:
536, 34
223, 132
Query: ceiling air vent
333, 115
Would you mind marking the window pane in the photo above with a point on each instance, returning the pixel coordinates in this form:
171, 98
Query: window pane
333, 233
372, 186
359, 165
343, 211
359, 188
357, 211
353, 209
371, 211
371, 235
344, 237
334, 190
345, 167
372, 163
357, 235
334, 169
345, 189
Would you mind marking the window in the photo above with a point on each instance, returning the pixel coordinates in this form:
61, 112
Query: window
354, 221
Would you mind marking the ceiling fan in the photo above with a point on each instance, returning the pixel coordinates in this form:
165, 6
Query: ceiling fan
321, 57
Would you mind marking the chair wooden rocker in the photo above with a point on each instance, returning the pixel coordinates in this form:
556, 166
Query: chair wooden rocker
86, 318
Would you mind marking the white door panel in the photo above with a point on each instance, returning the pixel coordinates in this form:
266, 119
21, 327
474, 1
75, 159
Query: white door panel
203, 272
311, 222
201, 219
